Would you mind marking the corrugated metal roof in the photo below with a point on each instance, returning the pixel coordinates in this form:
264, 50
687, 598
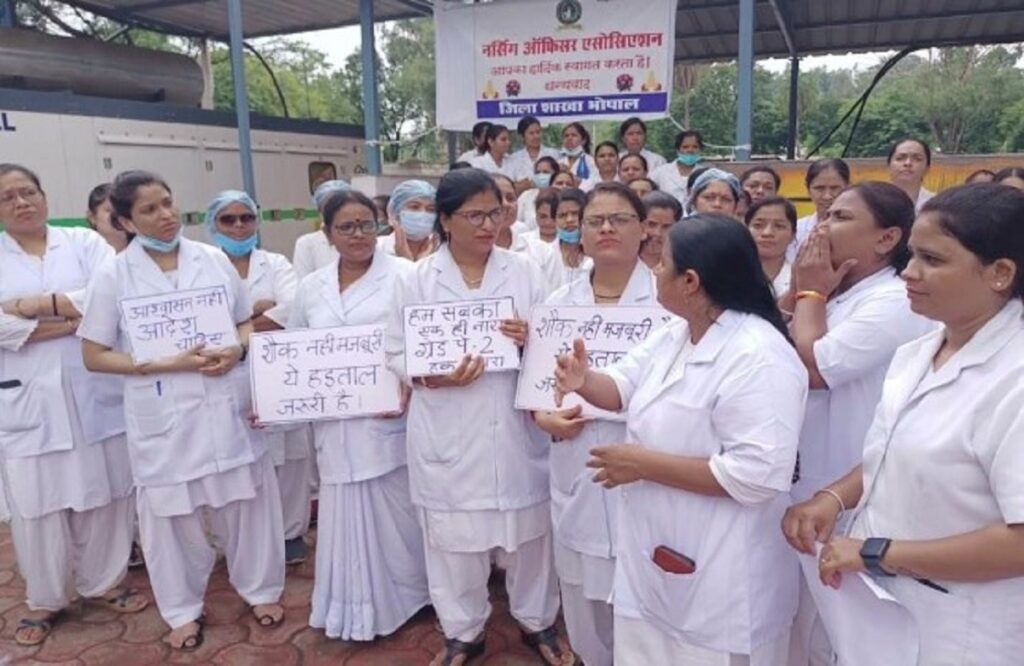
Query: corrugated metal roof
705, 29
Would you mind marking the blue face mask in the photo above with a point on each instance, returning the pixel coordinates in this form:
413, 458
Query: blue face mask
542, 180
572, 152
236, 248
688, 159
417, 224
570, 237
158, 245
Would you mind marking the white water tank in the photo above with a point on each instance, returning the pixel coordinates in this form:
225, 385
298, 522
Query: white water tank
37, 61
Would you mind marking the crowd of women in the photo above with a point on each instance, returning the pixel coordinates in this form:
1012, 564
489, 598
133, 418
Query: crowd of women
849, 385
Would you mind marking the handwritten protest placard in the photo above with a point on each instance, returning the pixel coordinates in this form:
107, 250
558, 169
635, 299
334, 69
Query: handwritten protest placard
165, 325
439, 335
326, 373
608, 332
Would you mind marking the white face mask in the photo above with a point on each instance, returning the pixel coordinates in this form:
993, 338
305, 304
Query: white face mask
417, 224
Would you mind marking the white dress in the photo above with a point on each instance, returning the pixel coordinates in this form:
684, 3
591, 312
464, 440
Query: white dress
670, 181
654, 160
803, 229
312, 252
370, 573
523, 164
487, 163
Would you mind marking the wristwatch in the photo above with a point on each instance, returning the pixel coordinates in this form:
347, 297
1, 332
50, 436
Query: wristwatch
872, 552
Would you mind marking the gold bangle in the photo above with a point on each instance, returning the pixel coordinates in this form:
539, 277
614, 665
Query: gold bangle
834, 495
811, 293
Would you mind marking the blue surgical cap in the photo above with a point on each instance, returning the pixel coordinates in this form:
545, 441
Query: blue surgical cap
325, 189
405, 192
225, 199
710, 176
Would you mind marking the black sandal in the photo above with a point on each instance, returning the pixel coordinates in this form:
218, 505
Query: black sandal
46, 624
545, 638
119, 604
454, 648
266, 620
193, 642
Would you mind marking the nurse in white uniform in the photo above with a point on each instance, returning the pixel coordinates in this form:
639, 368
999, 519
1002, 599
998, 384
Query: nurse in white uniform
544, 171
510, 238
495, 158
582, 513
909, 160
191, 446
63, 458
525, 159
825, 179
312, 251
574, 263
575, 153
411, 215
850, 314
714, 404
772, 223
714, 192
663, 210
479, 475
672, 177
940, 496
370, 572
233, 222
633, 135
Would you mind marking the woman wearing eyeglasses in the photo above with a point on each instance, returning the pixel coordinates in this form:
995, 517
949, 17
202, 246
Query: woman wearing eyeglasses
370, 576
233, 220
582, 513
479, 474
194, 453
63, 458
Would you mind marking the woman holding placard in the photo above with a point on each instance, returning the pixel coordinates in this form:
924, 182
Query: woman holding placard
233, 222
63, 457
583, 515
188, 415
478, 474
370, 575
714, 403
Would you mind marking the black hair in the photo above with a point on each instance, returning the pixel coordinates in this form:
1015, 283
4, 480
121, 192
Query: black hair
480, 129
638, 156
583, 133
456, 188
654, 185
694, 175
891, 207
610, 144
979, 172
125, 188
664, 201
789, 208
546, 197
618, 190
501, 176
97, 196
493, 132
339, 200
986, 219
547, 159
382, 200
682, 135
525, 123
725, 257
574, 195
818, 167
455, 166
10, 167
762, 169
1008, 172
925, 146
628, 123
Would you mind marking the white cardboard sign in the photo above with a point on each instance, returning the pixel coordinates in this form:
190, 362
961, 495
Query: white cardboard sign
439, 335
165, 325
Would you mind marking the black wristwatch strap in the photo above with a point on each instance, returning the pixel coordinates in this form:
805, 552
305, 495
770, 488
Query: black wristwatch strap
872, 552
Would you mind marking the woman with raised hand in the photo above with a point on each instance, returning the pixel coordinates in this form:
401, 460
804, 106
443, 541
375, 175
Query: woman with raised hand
583, 515
478, 474
410, 212
63, 459
233, 221
370, 575
938, 503
714, 403
194, 453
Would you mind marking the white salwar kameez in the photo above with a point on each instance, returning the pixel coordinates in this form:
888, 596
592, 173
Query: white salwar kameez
63, 459
370, 574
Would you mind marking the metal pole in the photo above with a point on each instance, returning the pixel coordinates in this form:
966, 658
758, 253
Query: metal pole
371, 107
8, 14
745, 80
794, 109
453, 146
241, 95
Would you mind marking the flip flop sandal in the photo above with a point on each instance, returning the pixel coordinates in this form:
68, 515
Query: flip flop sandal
194, 641
119, 604
266, 620
46, 624
545, 638
454, 648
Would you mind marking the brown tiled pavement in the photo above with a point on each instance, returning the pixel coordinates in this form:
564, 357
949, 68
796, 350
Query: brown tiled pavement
91, 635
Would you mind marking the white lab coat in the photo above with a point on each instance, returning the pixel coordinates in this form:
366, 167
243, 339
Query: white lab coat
945, 456
804, 226
352, 450
188, 426
544, 254
670, 181
487, 163
568, 274
469, 449
780, 285
577, 166
866, 324
737, 399
923, 196
654, 160
312, 252
523, 165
